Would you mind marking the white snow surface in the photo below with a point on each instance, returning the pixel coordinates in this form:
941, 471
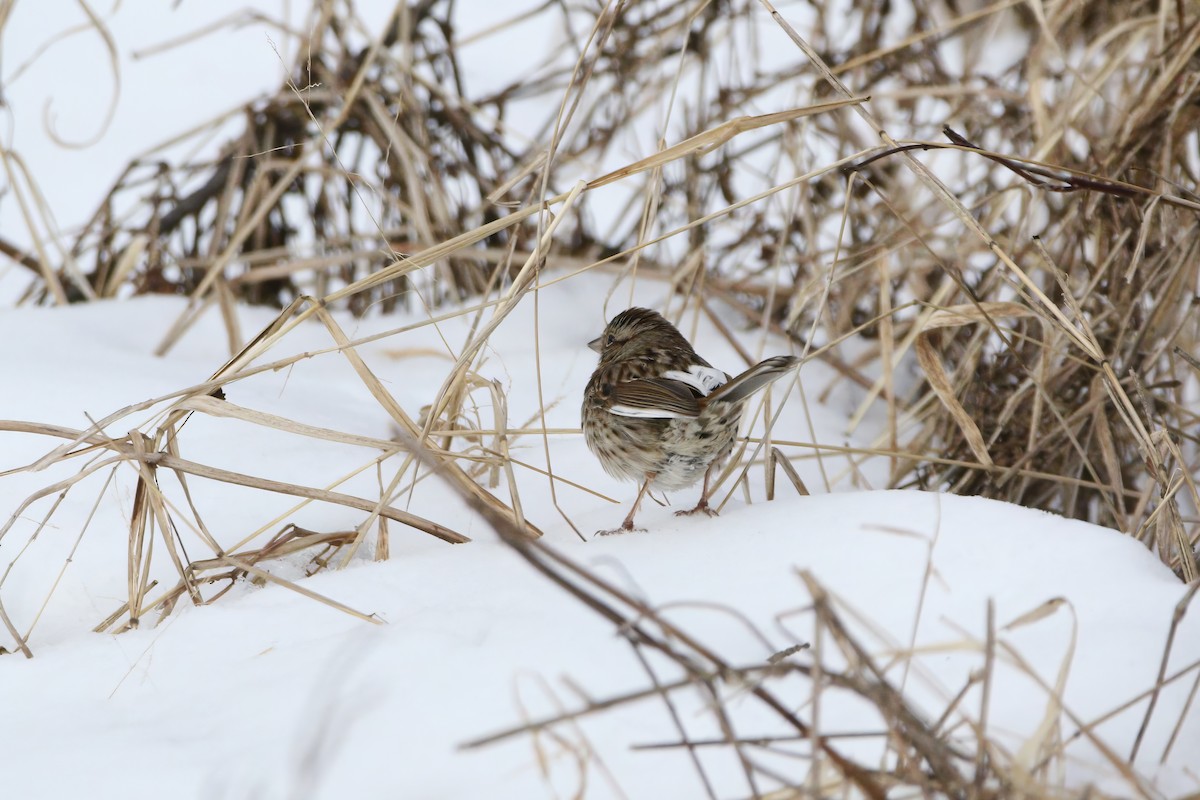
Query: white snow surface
267, 693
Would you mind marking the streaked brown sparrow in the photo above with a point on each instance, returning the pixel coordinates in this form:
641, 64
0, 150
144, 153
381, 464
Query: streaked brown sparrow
657, 413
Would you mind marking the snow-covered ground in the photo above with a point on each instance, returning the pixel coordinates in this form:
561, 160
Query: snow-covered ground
267, 693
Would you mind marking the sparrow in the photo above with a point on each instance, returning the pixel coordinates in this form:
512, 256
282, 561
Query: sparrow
657, 413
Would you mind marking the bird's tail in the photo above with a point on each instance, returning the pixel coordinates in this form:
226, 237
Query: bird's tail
753, 379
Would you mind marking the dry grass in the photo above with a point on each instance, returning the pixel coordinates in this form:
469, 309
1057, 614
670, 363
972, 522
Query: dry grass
1003, 256
930, 750
1043, 280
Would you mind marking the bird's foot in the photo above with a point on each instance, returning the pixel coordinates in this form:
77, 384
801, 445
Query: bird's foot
701, 508
622, 529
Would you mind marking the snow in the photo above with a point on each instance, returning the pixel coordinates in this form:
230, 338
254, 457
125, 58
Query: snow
267, 693
71, 85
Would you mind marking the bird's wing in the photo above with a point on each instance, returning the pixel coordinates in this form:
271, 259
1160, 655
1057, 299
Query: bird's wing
654, 398
701, 377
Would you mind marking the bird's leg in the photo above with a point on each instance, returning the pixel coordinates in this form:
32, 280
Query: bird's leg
627, 525
703, 506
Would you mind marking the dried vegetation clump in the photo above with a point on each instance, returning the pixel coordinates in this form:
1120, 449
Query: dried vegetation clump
998, 248
376, 150
375, 175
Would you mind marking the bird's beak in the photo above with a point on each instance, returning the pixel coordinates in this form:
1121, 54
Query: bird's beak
596, 344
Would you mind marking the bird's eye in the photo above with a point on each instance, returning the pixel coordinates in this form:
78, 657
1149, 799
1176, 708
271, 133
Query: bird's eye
609, 339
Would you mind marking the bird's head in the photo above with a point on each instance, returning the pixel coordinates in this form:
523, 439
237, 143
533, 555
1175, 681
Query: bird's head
634, 331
